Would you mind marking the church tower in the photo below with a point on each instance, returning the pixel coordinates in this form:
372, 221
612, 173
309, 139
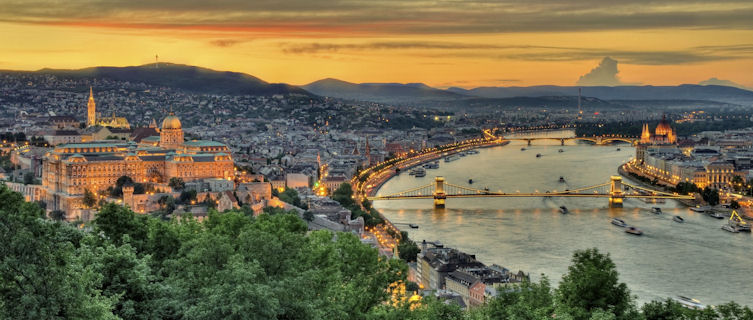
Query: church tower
646, 134
91, 110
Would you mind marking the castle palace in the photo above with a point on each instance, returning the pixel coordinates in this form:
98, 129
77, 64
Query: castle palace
69, 170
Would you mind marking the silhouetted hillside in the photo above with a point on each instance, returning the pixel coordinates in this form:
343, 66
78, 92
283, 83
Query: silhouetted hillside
184, 77
380, 92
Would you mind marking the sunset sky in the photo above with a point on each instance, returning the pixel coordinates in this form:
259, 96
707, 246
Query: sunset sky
441, 43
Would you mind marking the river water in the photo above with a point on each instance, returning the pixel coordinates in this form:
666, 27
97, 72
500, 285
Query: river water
695, 259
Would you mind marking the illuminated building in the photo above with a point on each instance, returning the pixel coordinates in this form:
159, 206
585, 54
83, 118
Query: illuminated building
92, 118
663, 136
71, 169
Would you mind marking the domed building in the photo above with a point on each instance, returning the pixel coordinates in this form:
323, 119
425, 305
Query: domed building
70, 170
664, 134
171, 133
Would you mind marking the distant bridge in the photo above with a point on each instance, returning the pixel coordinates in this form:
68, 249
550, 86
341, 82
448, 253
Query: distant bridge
596, 140
615, 190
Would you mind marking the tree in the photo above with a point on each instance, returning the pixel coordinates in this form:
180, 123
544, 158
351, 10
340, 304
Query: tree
120, 225
187, 196
734, 204
710, 195
667, 309
738, 183
41, 275
591, 284
177, 183
344, 195
90, 200
57, 215
407, 248
686, 187
290, 196
308, 216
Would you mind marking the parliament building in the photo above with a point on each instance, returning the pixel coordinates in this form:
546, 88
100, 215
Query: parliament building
71, 169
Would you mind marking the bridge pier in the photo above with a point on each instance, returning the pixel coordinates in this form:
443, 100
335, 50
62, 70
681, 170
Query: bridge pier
562, 142
529, 142
615, 192
439, 195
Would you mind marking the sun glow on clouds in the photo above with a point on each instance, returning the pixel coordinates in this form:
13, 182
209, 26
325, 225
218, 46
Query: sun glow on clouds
441, 43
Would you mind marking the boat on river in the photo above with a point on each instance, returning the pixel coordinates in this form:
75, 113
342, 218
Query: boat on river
472, 151
656, 210
700, 209
690, 303
634, 231
730, 228
560, 150
451, 158
470, 181
678, 219
715, 214
522, 149
562, 179
538, 155
431, 165
418, 172
413, 225
563, 210
619, 222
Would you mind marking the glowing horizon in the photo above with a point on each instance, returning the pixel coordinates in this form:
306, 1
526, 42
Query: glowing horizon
440, 43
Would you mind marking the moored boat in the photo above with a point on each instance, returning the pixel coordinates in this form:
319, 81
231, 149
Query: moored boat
700, 209
715, 214
619, 222
678, 219
413, 225
634, 231
730, 228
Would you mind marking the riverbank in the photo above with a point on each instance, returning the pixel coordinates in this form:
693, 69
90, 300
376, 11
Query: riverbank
626, 171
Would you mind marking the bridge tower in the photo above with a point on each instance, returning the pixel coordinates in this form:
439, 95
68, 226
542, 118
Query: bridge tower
529, 141
615, 192
439, 195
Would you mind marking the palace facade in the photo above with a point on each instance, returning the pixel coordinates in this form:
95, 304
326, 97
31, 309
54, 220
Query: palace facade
69, 170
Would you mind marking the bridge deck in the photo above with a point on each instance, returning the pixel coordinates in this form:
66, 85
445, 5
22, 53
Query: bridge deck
530, 195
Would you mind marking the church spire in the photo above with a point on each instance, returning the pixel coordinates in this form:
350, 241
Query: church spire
91, 110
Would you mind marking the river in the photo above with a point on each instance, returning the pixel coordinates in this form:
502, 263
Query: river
695, 259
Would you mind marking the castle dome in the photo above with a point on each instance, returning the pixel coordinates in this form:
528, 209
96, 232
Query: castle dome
171, 122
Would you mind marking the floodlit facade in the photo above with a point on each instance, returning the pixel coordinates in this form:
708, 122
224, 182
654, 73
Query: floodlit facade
71, 169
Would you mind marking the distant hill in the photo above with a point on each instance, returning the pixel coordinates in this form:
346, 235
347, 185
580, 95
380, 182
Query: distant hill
681, 92
544, 102
380, 92
184, 77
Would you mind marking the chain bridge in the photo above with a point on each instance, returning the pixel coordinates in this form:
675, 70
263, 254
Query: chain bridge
615, 190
